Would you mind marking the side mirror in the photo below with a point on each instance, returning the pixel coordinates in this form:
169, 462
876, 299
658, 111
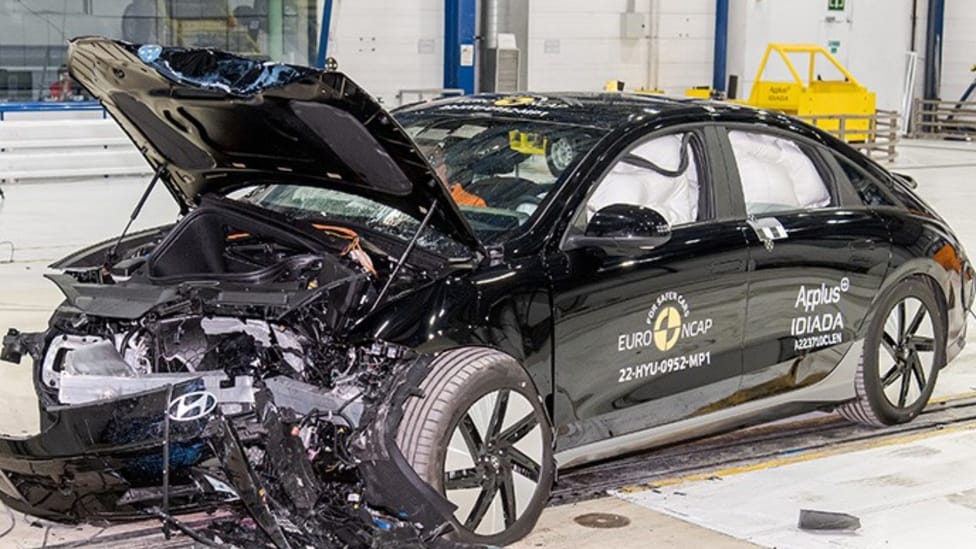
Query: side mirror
907, 179
623, 230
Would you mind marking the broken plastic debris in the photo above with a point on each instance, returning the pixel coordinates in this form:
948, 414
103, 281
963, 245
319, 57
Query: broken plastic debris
149, 52
826, 520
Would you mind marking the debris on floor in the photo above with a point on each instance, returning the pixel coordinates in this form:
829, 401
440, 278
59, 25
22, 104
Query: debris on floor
827, 520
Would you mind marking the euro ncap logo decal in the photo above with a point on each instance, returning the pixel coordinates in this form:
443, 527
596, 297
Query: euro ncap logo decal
667, 328
192, 406
669, 321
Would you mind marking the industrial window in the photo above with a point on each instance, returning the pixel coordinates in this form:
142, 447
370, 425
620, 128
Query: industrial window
660, 174
33, 33
777, 174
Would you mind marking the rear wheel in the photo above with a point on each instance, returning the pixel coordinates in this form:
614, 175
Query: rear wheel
481, 437
903, 353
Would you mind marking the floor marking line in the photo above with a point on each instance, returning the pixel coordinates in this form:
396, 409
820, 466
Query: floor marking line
935, 166
800, 458
951, 398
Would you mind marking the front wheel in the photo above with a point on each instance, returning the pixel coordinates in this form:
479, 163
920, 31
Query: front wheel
903, 353
481, 437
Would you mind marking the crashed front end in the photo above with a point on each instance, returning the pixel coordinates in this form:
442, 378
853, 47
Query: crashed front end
139, 426
215, 362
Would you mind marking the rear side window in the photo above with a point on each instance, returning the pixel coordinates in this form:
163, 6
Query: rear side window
777, 174
866, 187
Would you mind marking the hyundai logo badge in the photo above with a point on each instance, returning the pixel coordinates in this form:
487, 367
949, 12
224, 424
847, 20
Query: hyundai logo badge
192, 406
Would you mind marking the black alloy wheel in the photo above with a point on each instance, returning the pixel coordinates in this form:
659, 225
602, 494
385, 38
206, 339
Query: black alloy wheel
491, 473
481, 436
903, 353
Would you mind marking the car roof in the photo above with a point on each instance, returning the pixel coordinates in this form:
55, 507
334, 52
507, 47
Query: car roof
607, 110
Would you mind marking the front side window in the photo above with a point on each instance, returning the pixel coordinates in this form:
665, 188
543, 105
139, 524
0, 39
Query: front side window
777, 174
660, 174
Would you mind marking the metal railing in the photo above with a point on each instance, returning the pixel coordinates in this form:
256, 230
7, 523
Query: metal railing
48, 141
879, 140
50, 106
937, 118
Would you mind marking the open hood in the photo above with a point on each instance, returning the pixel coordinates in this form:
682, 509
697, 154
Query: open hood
219, 122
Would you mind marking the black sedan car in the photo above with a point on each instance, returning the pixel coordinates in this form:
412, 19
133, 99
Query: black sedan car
371, 327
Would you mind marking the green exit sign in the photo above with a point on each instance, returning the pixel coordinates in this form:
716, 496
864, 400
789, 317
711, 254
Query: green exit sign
836, 5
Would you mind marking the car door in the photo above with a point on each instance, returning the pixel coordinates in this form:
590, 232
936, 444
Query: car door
650, 338
817, 258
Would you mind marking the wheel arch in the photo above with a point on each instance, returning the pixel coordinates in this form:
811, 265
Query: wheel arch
457, 381
925, 269
872, 406
439, 346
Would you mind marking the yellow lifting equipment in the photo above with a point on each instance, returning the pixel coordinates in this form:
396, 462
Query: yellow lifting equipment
815, 97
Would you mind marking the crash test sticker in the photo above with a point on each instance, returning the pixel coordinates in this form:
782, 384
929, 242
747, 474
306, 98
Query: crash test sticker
812, 327
668, 321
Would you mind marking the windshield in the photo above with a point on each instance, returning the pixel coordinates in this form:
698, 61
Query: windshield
316, 203
499, 172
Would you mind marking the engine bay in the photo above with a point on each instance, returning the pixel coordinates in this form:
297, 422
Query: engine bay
247, 317
224, 295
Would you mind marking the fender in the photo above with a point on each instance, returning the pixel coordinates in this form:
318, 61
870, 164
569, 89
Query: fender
474, 311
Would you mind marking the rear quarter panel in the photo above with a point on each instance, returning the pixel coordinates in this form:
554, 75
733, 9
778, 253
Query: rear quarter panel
923, 244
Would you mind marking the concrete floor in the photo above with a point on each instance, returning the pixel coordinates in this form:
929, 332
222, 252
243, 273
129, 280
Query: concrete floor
47, 221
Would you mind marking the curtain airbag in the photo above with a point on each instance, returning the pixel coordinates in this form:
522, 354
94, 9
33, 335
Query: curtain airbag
676, 198
776, 174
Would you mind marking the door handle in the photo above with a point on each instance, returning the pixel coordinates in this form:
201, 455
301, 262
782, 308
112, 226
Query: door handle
730, 266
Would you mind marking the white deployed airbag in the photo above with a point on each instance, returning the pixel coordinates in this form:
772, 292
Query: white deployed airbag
676, 198
776, 174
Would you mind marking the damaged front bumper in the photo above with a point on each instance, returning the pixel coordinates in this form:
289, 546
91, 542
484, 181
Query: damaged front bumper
295, 465
103, 460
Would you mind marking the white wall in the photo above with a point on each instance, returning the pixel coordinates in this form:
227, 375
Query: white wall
958, 49
685, 43
578, 44
874, 36
388, 46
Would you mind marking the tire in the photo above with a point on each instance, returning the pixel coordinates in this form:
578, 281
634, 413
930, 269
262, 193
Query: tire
903, 353
481, 437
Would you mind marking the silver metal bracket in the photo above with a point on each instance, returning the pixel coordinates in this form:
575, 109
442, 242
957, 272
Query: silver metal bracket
768, 229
